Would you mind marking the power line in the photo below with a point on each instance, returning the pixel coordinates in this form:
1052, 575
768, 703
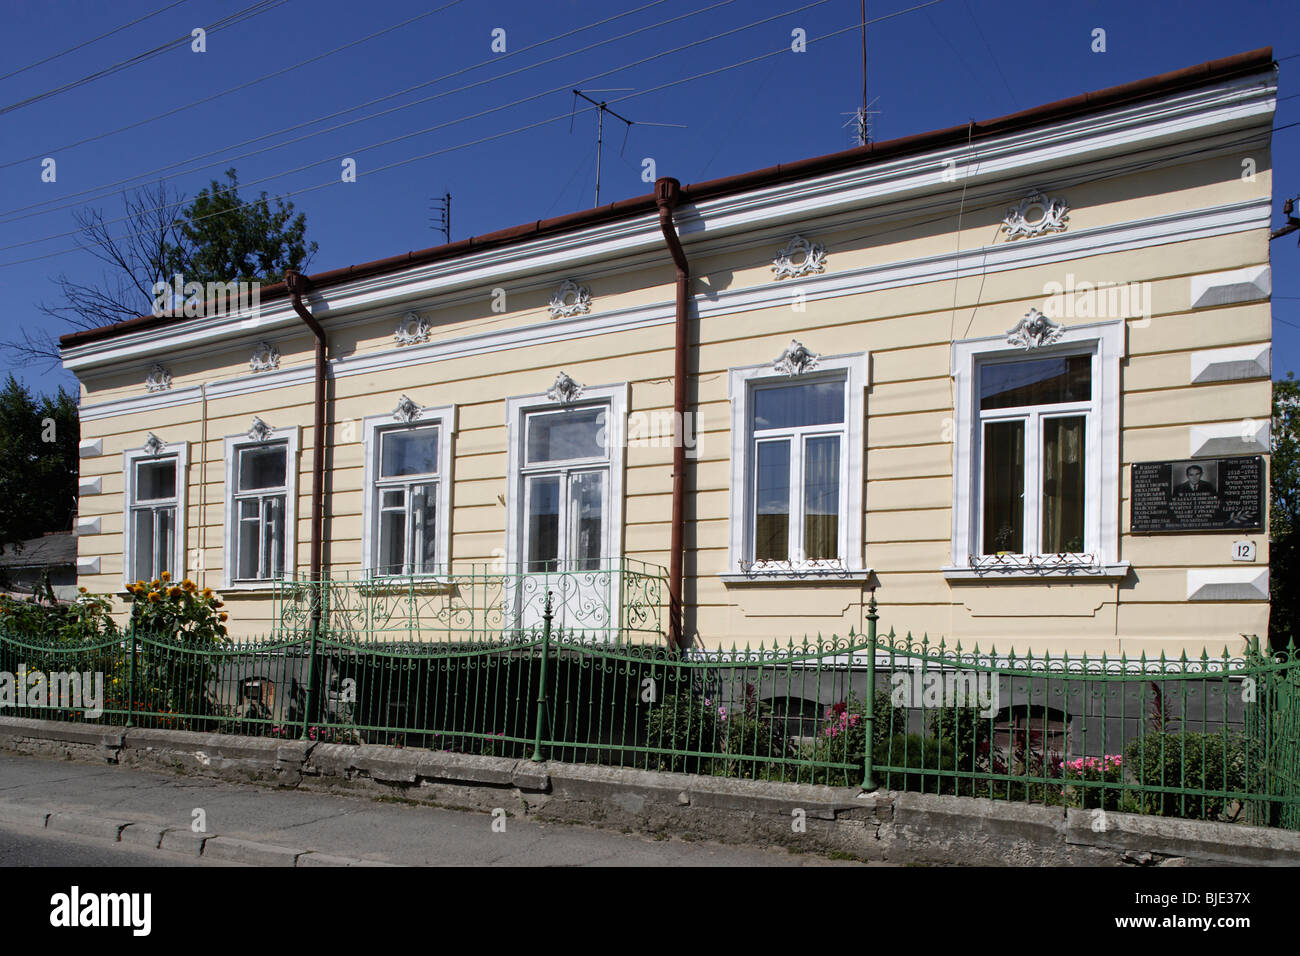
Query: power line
215, 96
495, 109
526, 127
86, 43
256, 9
104, 190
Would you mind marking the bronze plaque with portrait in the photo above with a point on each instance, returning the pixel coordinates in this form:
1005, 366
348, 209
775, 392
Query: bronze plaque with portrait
1200, 494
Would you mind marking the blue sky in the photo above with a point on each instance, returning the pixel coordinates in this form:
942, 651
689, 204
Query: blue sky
929, 68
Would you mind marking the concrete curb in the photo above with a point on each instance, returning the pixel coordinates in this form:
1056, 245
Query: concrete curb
154, 837
884, 826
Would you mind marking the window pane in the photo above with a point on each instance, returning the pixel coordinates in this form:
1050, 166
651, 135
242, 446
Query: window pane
821, 484
1048, 381
424, 521
586, 509
392, 542
142, 545
772, 496
262, 467
246, 530
155, 480
543, 523
790, 406
1063, 492
1004, 487
562, 436
408, 452
272, 537
164, 543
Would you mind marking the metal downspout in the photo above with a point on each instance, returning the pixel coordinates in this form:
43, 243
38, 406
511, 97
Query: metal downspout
667, 194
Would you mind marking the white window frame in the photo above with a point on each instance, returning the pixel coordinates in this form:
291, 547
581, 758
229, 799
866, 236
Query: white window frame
1106, 343
854, 371
180, 451
373, 428
615, 398
290, 437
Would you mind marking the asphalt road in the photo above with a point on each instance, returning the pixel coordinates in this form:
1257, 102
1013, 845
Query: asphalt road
305, 822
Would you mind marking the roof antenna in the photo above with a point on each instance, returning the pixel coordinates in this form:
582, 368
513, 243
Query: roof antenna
441, 221
860, 118
603, 108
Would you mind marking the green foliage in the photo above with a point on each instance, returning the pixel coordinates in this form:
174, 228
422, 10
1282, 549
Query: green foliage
1284, 513
41, 619
915, 752
1191, 761
38, 463
707, 736
842, 738
966, 734
227, 239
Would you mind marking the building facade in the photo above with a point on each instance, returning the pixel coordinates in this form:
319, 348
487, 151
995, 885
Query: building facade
1013, 377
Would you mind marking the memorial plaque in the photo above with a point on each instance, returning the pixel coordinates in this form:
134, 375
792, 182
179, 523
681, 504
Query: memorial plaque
1202, 494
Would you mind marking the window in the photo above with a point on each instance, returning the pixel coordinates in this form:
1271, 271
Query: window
797, 469
408, 493
1037, 484
154, 539
261, 489
565, 507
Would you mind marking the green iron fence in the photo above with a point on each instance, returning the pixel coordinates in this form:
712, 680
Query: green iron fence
618, 599
1209, 738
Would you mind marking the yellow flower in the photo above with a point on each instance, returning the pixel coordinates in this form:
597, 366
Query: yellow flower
218, 604
207, 592
223, 616
82, 590
166, 576
189, 585
155, 596
140, 585
174, 592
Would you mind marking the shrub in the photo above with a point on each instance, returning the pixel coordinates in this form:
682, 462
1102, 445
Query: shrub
842, 739
178, 626
1107, 769
42, 619
1194, 761
915, 752
705, 735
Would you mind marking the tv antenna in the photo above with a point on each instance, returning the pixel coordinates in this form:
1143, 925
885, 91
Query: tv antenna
861, 117
441, 221
602, 108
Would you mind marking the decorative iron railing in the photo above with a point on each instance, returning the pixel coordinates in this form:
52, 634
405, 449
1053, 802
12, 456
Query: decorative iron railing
619, 599
1213, 738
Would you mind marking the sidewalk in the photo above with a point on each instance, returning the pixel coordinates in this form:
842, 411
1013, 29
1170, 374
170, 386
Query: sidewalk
247, 824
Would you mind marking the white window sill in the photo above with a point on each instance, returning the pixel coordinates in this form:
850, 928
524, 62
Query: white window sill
266, 586
1043, 571
778, 576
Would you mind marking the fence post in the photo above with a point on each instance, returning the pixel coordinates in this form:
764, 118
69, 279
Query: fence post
311, 658
130, 674
869, 718
541, 683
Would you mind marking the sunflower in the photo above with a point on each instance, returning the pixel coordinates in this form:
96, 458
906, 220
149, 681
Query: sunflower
207, 593
189, 585
174, 592
223, 616
165, 576
155, 597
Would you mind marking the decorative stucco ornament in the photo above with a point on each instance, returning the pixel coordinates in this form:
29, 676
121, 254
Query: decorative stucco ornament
407, 410
798, 258
260, 431
1034, 331
412, 329
1035, 215
153, 445
796, 359
265, 357
159, 378
570, 299
565, 390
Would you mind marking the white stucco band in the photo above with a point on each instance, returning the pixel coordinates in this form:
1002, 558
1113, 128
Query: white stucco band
1246, 437
1232, 364
1235, 285
1227, 584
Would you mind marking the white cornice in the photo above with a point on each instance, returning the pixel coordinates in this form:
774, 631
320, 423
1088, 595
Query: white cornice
1119, 237
1100, 140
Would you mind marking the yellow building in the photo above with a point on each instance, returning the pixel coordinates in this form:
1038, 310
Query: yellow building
1014, 376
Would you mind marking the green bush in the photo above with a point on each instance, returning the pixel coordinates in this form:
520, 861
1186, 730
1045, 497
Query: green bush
1192, 761
706, 736
914, 752
842, 739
